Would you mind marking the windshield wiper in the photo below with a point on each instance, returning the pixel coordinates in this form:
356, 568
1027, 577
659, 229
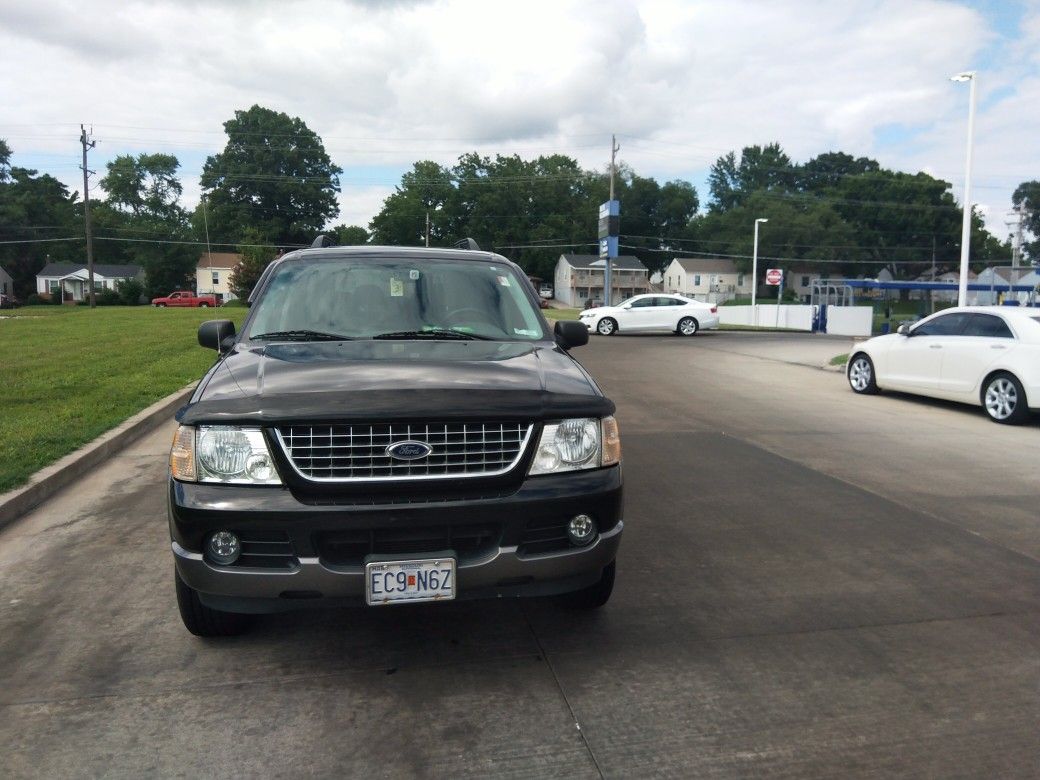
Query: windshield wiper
301, 335
433, 333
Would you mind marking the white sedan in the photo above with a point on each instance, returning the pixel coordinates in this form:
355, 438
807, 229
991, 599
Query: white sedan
642, 313
983, 355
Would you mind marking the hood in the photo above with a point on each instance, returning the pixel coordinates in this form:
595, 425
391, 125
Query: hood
399, 380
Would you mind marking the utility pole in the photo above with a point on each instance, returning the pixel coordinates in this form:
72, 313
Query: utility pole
427, 228
608, 281
86, 212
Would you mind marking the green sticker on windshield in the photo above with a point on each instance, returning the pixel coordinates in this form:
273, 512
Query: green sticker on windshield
396, 288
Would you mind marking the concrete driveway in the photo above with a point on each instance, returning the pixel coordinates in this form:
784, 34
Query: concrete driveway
811, 584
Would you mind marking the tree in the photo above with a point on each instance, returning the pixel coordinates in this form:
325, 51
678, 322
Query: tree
427, 188
827, 170
273, 177
5, 161
142, 204
350, 235
760, 168
1027, 198
257, 254
34, 208
812, 232
145, 184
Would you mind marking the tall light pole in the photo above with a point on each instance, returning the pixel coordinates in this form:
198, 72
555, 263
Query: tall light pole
962, 290
754, 264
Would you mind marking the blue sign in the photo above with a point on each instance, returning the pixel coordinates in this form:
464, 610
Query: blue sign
609, 228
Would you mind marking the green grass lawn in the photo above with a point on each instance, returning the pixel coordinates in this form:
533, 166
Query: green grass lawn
561, 314
68, 374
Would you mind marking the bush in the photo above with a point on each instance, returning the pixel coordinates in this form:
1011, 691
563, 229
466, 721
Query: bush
108, 297
131, 292
34, 300
56, 298
235, 302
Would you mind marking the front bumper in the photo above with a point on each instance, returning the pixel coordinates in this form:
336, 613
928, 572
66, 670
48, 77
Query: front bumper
505, 569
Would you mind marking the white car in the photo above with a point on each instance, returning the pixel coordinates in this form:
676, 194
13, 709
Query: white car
641, 313
983, 355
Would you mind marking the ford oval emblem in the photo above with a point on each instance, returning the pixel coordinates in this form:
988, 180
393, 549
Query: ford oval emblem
409, 450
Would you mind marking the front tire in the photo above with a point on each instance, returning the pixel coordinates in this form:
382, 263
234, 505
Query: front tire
1004, 400
607, 326
161, 305
861, 375
595, 595
687, 326
203, 305
202, 620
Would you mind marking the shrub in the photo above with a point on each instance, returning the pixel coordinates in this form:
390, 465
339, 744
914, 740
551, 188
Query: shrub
34, 300
130, 291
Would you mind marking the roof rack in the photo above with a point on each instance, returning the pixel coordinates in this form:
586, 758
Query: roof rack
467, 243
321, 242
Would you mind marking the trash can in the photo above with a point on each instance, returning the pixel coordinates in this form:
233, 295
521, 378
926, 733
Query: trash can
886, 327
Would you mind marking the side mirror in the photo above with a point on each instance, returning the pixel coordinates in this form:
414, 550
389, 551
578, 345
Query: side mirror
627, 306
903, 330
212, 334
571, 333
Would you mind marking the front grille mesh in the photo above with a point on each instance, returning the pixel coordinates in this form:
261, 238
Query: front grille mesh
342, 453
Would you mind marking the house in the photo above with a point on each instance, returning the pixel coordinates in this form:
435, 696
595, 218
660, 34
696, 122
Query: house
706, 279
6, 285
579, 278
70, 280
948, 296
213, 274
996, 279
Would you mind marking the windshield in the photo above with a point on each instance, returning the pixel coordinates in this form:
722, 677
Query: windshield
364, 297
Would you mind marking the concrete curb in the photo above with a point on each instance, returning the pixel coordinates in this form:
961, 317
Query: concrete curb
49, 480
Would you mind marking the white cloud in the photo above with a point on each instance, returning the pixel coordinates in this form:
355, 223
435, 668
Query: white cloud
388, 83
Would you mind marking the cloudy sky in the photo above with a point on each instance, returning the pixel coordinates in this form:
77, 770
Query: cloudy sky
387, 83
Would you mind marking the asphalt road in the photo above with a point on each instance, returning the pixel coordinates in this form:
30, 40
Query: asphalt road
811, 584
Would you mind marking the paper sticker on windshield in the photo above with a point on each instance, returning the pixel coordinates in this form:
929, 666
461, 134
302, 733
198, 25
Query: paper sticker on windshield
413, 275
504, 281
396, 288
524, 332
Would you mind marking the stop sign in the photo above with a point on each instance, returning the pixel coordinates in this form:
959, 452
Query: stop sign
774, 276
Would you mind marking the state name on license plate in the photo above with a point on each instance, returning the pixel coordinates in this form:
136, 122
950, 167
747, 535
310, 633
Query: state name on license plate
399, 582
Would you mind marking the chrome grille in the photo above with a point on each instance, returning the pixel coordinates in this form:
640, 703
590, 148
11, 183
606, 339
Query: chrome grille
358, 453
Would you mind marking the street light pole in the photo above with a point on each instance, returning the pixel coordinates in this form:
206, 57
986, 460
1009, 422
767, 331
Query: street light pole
962, 289
754, 268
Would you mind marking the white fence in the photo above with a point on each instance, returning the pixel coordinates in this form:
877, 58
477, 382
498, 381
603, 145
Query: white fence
841, 320
793, 317
850, 320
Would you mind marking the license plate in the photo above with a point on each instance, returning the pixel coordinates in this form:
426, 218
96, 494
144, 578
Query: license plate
399, 582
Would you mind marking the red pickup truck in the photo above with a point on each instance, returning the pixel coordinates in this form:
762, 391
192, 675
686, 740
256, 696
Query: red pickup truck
185, 298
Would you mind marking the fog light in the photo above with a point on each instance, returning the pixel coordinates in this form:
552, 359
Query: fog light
581, 529
224, 547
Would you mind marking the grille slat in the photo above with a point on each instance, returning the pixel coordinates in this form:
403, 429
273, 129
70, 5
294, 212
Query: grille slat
349, 453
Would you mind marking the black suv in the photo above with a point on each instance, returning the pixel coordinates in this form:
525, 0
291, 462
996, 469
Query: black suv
392, 425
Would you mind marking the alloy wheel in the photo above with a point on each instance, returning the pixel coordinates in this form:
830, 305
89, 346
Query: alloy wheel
1001, 398
860, 374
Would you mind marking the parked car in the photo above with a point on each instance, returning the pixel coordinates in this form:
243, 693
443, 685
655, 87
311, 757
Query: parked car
9, 302
185, 298
650, 312
545, 291
988, 356
391, 425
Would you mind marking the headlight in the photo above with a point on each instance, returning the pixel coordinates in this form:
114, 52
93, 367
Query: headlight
222, 453
571, 445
